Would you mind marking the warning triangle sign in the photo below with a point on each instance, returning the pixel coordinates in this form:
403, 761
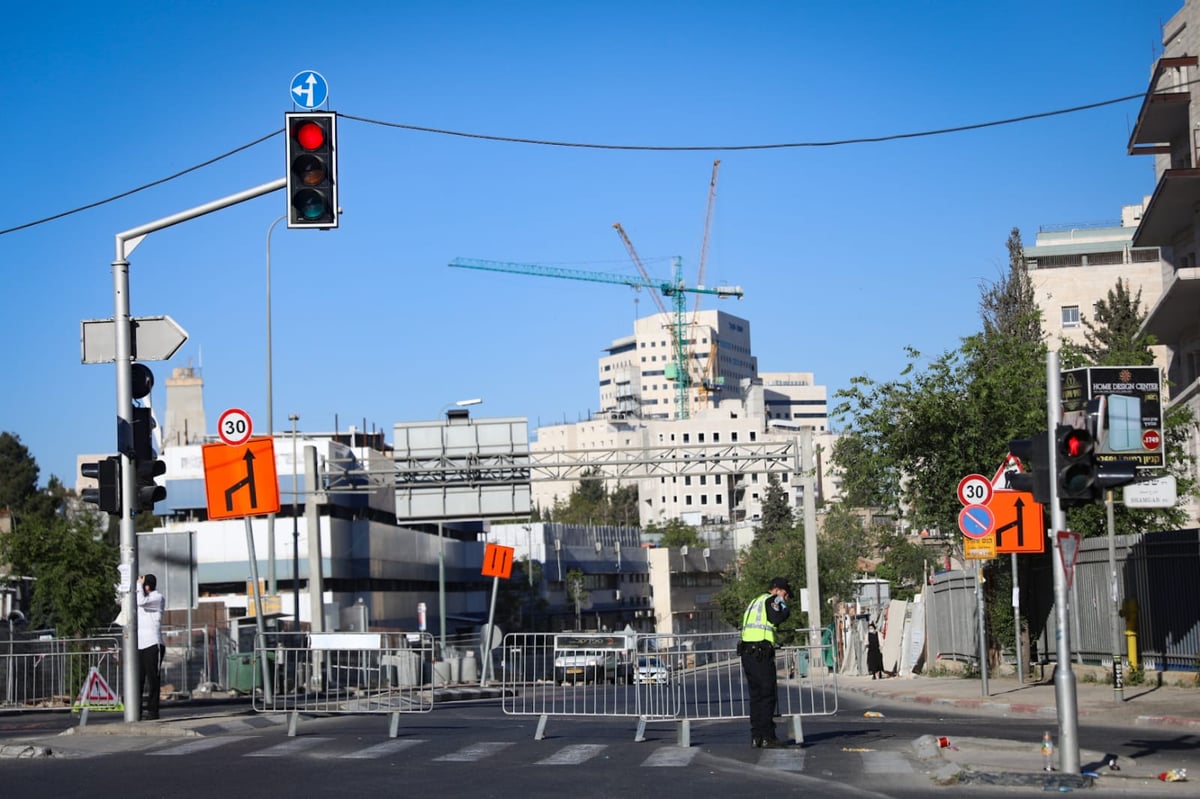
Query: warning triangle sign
1011, 464
96, 694
1068, 551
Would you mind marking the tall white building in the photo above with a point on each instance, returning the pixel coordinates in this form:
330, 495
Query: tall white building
730, 403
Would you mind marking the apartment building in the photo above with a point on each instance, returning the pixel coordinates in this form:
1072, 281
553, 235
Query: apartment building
729, 403
1166, 129
1073, 267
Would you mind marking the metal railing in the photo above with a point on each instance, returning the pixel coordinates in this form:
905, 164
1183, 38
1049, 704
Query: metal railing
48, 673
655, 678
334, 673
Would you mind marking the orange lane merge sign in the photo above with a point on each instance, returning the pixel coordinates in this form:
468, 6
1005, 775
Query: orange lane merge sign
241, 480
1020, 527
497, 561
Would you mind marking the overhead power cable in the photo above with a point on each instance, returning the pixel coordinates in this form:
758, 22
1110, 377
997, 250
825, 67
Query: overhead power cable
599, 146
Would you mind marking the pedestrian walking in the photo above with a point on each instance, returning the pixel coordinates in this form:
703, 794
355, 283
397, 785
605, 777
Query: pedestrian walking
763, 616
874, 653
150, 607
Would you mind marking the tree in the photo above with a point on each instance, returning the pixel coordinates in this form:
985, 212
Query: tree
75, 570
674, 533
909, 441
19, 482
577, 596
590, 503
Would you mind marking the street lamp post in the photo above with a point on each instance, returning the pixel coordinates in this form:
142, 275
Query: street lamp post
442, 543
293, 418
271, 584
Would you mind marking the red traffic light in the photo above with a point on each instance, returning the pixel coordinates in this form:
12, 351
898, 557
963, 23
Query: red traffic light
1075, 443
310, 135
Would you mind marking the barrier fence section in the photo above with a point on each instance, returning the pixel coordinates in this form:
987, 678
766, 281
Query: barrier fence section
48, 673
331, 673
654, 678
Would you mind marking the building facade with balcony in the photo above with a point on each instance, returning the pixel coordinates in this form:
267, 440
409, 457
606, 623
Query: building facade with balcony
1168, 129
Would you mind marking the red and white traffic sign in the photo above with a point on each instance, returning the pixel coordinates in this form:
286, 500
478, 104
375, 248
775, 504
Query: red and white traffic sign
1068, 552
974, 489
234, 427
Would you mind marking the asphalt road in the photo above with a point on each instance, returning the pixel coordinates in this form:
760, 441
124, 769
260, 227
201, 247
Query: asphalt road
473, 750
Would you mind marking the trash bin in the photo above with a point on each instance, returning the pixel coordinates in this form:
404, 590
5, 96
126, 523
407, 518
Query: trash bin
243, 671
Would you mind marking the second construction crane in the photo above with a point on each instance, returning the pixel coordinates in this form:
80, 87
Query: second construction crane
675, 289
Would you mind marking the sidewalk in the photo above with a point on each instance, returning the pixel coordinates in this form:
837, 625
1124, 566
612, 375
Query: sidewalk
1143, 705
997, 761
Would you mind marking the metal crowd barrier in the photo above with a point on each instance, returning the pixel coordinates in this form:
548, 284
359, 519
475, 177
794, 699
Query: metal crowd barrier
48, 673
331, 673
654, 678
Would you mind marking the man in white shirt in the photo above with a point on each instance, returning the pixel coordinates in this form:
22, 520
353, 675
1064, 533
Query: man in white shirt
150, 607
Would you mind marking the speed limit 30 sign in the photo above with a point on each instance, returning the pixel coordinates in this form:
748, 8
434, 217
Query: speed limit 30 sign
234, 427
974, 489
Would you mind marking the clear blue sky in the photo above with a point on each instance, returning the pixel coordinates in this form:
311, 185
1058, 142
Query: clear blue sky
846, 253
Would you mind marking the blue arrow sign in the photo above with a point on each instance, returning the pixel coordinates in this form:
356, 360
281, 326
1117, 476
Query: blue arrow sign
976, 521
309, 89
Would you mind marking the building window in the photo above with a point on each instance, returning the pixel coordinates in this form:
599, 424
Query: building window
704, 499
687, 500
1070, 316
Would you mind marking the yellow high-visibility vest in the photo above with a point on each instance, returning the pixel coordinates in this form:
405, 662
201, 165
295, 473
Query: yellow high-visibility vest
755, 626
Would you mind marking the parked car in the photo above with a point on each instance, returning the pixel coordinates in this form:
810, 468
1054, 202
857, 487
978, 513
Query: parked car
651, 670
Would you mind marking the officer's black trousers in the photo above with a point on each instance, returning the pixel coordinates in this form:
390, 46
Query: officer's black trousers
759, 669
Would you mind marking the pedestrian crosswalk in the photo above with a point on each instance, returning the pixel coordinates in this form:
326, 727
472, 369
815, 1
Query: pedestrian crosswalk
793, 759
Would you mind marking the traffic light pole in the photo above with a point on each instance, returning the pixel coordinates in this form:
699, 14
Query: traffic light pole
1064, 677
125, 244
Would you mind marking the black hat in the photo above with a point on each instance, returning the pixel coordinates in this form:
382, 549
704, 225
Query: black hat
781, 582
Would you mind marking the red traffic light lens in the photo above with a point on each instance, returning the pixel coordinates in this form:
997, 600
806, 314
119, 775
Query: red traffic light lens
310, 136
1075, 445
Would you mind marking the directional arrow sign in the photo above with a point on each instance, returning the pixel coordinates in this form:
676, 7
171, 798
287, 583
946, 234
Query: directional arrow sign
241, 481
152, 338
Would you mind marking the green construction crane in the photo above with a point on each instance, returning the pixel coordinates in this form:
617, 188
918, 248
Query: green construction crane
673, 289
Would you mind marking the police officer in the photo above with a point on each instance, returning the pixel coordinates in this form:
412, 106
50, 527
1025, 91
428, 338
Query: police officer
757, 648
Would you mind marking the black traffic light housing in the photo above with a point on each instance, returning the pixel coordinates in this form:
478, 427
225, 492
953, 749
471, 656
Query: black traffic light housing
1034, 454
145, 463
1076, 453
107, 493
312, 181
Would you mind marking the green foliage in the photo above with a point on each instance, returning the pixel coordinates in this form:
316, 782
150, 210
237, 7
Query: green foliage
591, 503
909, 441
675, 533
779, 551
903, 564
19, 483
75, 572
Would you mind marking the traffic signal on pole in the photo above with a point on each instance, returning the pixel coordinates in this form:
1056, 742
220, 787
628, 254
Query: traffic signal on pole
312, 183
1034, 454
107, 493
1076, 463
146, 465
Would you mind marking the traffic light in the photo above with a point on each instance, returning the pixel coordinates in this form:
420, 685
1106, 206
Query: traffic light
1076, 451
107, 474
312, 184
146, 465
1035, 457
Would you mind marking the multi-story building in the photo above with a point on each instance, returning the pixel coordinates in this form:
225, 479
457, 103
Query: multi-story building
730, 404
1075, 266
1166, 129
